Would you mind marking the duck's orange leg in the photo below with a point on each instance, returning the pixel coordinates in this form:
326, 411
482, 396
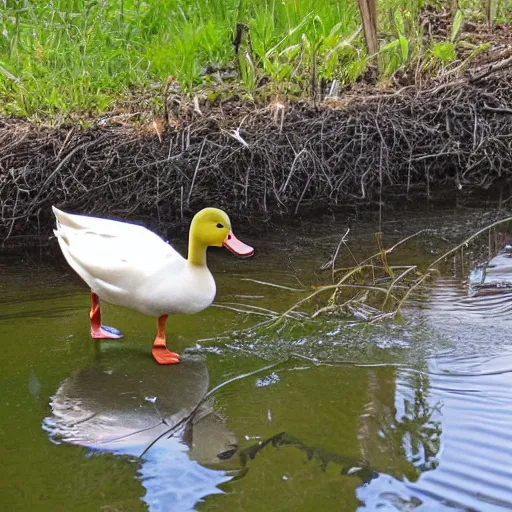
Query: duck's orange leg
98, 331
160, 352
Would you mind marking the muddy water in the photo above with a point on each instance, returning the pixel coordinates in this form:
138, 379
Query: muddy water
401, 416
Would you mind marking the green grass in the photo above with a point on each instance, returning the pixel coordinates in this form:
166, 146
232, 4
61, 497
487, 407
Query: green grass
78, 55
63, 56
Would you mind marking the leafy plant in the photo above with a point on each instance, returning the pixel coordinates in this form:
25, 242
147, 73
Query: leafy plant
457, 23
443, 52
70, 56
396, 52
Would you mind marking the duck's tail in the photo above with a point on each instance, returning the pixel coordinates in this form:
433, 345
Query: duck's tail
69, 220
64, 221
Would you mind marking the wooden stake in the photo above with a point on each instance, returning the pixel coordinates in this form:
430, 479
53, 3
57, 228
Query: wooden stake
488, 12
368, 11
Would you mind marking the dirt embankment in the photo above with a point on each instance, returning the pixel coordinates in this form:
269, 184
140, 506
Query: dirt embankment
258, 162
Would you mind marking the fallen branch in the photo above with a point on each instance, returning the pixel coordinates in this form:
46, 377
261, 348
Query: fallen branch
376, 280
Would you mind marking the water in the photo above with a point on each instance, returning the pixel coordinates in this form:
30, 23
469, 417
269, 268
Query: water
396, 417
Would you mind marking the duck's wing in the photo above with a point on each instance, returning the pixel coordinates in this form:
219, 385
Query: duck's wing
114, 252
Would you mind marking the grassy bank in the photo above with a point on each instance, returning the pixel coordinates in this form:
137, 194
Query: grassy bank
82, 56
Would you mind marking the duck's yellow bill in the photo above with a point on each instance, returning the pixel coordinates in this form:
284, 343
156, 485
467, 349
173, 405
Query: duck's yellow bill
237, 247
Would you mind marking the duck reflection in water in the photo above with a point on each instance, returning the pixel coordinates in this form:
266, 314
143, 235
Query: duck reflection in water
131, 410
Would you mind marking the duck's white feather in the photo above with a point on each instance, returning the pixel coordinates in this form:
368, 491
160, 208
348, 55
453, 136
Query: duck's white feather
128, 265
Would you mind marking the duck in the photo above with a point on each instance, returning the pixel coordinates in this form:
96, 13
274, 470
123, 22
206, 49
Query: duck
128, 265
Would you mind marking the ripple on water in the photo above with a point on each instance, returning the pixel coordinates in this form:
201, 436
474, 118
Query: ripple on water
470, 395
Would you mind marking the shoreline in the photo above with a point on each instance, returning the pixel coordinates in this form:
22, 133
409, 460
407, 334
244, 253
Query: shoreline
262, 162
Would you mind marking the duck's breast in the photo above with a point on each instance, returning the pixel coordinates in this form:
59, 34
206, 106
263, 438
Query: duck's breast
189, 290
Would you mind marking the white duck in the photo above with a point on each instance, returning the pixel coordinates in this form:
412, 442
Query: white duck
128, 265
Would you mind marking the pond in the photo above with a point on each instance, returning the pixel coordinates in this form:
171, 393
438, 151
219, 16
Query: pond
397, 416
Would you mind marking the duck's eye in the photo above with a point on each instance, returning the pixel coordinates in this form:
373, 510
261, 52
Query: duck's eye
219, 225
228, 454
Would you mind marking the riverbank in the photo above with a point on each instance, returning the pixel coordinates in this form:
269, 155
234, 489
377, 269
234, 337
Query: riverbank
262, 161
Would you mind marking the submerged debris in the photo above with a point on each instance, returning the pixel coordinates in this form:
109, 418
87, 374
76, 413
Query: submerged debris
374, 290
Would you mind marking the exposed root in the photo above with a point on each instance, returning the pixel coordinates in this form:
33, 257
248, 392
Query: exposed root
256, 165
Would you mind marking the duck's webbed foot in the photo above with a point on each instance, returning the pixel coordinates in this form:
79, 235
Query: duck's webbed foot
164, 356
104, 332
160, 352
98, 331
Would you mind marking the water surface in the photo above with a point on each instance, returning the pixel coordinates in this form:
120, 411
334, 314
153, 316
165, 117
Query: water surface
414, 415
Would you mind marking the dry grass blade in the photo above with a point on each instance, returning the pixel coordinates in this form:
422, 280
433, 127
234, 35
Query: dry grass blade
383, 254
249, 309
273, 285
401, 276
332, 261
366, 281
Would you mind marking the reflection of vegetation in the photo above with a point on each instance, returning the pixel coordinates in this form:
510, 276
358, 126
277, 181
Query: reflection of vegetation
349, 466
417, 431
410, 443
424, 433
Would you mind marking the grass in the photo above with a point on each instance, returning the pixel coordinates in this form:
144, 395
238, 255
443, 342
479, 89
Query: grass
63, 56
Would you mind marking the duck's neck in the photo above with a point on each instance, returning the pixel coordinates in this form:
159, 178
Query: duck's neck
196, 253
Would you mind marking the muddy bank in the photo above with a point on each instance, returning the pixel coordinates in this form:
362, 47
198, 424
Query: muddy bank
261, 162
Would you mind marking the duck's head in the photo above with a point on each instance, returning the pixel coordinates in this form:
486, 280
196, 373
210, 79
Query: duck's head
211, 227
